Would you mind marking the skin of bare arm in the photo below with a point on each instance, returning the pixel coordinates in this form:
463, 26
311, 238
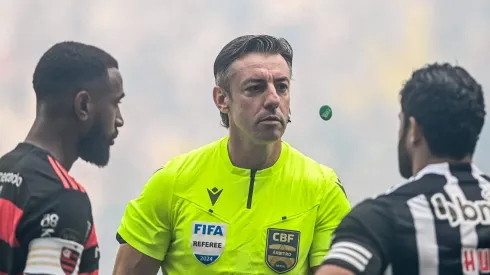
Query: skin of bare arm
130, 261
332, 270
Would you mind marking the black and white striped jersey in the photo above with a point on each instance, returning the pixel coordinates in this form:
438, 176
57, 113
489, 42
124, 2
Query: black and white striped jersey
436, 223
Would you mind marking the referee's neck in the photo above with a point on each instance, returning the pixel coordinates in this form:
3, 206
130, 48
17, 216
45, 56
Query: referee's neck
247, 154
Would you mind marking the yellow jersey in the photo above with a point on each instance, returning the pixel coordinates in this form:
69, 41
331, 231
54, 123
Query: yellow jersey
199, 214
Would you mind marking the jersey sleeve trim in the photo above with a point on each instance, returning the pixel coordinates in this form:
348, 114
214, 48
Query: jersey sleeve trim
350, 255
92, 239
339, 183
120, 239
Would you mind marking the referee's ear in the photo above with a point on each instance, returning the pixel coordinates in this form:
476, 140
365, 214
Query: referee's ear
221, 99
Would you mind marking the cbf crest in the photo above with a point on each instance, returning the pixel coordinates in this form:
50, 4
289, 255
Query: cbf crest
281, 253
208, 241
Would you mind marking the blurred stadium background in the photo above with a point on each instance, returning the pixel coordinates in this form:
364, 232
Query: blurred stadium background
352, 55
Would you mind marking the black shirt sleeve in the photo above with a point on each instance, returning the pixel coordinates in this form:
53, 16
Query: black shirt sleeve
362, 242
66, 214
91, 255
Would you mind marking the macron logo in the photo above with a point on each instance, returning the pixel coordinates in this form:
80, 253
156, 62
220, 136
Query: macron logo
214, 194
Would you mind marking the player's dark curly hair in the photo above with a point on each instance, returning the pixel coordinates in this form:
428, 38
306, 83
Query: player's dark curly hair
242, 46
448, 103
69, 67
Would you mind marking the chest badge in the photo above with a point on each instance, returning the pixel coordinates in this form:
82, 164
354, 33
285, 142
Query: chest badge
281, 253
208, 241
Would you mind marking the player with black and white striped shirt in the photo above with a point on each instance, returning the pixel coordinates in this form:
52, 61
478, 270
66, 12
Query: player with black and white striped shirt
438, 222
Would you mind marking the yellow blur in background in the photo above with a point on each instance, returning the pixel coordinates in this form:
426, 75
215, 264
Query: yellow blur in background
351, 55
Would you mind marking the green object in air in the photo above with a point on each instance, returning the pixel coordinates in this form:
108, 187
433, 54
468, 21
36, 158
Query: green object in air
326, 112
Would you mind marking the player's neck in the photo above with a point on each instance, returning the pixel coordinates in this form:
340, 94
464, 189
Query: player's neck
249, 155
423, 162
47, 136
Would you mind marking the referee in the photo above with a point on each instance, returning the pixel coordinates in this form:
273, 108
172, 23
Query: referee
438, 222
248, 203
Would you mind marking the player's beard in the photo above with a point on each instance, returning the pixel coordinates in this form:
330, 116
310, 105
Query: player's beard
404, 158
94, 147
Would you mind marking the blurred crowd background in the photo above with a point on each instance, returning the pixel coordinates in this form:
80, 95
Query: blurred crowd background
352, 55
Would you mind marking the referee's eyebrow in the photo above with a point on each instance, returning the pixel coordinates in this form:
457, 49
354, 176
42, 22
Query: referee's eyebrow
255, 80
282, 79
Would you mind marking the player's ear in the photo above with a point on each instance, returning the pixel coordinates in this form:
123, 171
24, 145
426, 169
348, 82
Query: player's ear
83, 106
221, 99
415, 131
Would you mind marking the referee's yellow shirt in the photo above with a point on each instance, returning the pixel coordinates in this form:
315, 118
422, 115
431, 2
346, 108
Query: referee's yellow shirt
199, 214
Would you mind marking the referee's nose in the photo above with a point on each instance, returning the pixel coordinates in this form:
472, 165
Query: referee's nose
272, 98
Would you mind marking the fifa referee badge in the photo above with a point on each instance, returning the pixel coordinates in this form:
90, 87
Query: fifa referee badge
326, 112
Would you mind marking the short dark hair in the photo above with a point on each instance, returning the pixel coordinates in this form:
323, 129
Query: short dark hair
68, 67
448, 103
241, 46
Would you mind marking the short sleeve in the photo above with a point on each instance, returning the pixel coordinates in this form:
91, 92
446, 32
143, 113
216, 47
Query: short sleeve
67, 214
61, 223
362, 242
89, 264
334, 205
146, 224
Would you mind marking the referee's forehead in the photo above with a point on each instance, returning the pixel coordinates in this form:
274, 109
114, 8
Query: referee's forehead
260, 66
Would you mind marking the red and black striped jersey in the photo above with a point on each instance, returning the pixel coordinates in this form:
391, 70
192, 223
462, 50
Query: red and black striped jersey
46, 223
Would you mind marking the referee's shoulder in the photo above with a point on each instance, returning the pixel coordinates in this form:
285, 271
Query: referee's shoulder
192, 160
319, 175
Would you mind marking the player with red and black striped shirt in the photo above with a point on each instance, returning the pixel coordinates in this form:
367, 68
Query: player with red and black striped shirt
46, 223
